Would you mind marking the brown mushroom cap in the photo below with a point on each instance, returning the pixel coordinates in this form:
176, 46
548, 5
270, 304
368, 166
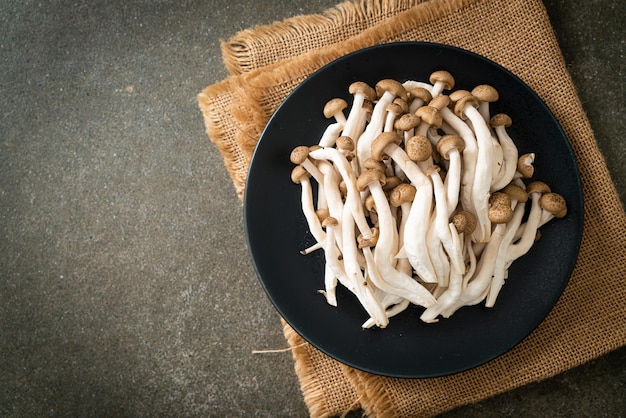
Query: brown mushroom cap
374, 164
501, 119
459, 107
402, 193
299, 154
406, 122
464, 221
329, 221
334, 106
440, 102
554, 203
500, 199
322, 213
419, 148
429, 115
368, 242
298, 174
500, 214
363, 88
525, 165
392, 181
420, 93
345, 143
443, 77
380, 143
516, 192
402, 104
368, 177
538, 187
456, 95
394, 108
485, 93
448, 143
393, 86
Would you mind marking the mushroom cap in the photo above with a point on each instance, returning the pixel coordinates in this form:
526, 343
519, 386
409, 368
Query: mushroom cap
368, 242
322, 213
299, 154
500, 214
402, 103
363, 88
299, 173
442, 76
448, 143
420, 93
370, 205
485, 93
370, 176
394, 108
380, 143
392, 181
345, 143
334, 106
459, 106
464, 221
516, 192
419, 148
429, 115
501, 119
402, 193
440, 101
329, 221
406, 122
457, 94
392, 86
500, 198
374, 164
525, 165
554, 203
538, 187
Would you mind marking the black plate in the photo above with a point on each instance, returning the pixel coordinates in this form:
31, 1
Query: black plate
276, 229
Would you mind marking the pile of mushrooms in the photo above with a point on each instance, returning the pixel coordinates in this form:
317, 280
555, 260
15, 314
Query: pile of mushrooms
421, 198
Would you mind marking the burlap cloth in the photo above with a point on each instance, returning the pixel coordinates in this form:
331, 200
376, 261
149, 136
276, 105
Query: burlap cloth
589, 320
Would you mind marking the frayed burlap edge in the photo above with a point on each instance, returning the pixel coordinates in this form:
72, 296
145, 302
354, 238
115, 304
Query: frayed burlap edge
249, 49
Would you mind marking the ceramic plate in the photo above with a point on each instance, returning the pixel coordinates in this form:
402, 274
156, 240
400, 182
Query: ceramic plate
276, 229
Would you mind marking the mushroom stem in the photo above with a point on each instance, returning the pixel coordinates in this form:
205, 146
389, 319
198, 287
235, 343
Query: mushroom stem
509, 151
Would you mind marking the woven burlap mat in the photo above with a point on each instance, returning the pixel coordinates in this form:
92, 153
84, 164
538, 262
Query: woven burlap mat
589, 320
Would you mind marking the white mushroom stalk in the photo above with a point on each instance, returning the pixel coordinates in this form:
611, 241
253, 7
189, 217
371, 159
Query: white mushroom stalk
419, 206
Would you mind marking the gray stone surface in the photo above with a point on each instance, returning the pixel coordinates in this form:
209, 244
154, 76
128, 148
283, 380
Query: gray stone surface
125, 284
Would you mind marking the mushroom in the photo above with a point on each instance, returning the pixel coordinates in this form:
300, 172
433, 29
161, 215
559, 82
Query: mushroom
300, 156
402, 196
334, 109
466, 107
525, 167
353, 200
441, 80
485, 94
518, 197
300, 175
417, 220
387, 90
386, 245
470, 152
418, 97
510, 157
362, 92
451, 147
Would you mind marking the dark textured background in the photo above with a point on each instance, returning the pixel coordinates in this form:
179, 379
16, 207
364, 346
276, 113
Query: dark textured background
125, 284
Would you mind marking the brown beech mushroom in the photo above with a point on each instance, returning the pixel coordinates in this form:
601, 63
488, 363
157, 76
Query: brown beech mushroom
485, 94
334, 109
386, 247
481, 184
451, 147
441, 80
387, 90
510, 156
355, 122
